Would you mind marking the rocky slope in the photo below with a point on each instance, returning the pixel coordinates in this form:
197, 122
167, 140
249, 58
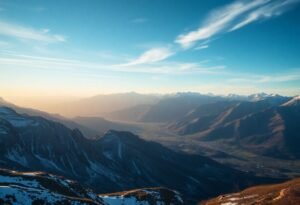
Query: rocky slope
262, 127
287, 193
213, 115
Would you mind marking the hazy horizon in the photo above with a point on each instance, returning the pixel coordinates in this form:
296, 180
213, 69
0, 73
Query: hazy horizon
59, 104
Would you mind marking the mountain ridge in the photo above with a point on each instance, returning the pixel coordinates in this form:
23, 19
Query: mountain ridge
116, 160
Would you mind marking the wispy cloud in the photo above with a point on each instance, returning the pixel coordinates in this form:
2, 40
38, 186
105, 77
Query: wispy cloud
174, 68
39, 62
27, 33
275, 78
4, 44
20, 61
201, 47
151, 56
275, 8
232, 17
226, 19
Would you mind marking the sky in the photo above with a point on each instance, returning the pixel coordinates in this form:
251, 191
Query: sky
82, 48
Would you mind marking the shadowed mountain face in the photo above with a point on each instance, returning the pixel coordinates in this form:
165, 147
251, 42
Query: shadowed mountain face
101, 125
91, 127
174, 107
88, 132
287, 193
262, 127
42, 188
132, 114
117, 161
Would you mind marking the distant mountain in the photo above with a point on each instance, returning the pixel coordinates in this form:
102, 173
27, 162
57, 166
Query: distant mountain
147, 107
273, 99
132, 114
173, 107
258, 97
117, 161
261, 127
102, 105
88, 132
42, 188
213, 115
273, 132
102, 125
279, 194
91, 127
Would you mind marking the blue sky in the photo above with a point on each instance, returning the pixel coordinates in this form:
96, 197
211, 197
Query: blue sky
83, 48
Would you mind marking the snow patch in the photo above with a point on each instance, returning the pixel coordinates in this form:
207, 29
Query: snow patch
136, 168
229, 203
13, 155
120, 200
108, 155
16, 119
292, 101
48, 163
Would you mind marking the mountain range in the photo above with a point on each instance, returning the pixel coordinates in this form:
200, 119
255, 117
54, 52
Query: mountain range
115, 162
105, 159
268, 127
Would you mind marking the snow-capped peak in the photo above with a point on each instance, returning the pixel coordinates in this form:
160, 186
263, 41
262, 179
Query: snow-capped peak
294, 101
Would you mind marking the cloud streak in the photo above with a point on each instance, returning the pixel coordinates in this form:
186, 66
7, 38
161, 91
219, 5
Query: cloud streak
151, 56
225, 19
260, 79
232, 17
272, 9
38, 62
27, 33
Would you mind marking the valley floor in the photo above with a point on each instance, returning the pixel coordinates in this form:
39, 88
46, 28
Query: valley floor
231, 155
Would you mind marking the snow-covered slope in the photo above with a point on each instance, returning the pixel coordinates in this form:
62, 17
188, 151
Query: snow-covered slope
149, 196
29, 188
293, 102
